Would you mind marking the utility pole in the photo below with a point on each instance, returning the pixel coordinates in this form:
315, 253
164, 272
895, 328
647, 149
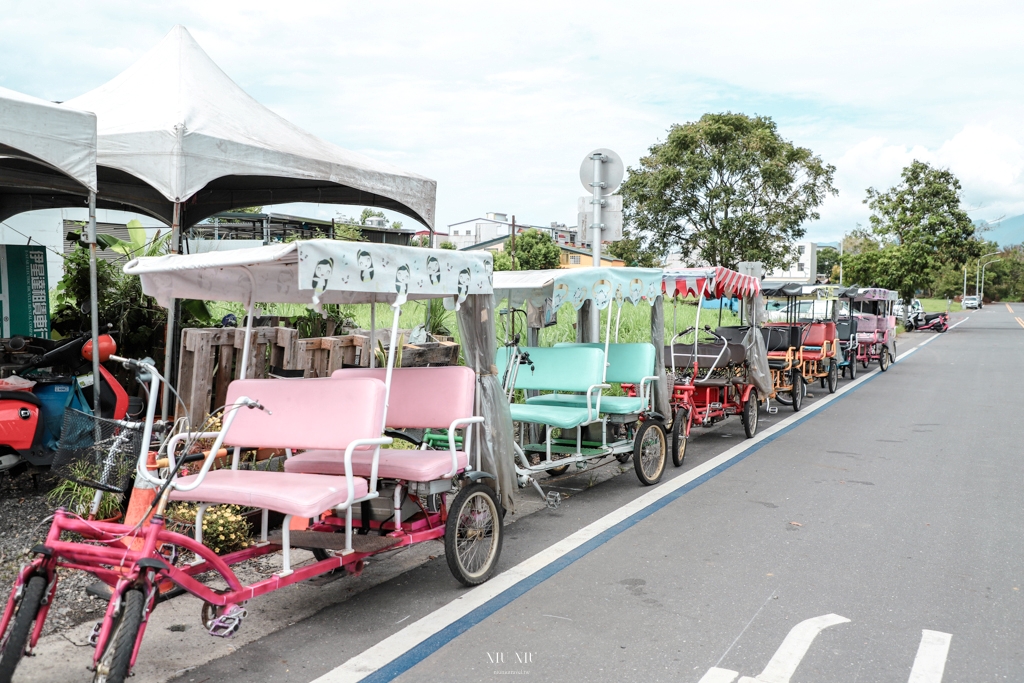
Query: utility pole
964, 295
512, 240
842, 243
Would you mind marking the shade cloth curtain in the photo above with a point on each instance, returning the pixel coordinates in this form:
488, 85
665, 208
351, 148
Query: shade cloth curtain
494, 436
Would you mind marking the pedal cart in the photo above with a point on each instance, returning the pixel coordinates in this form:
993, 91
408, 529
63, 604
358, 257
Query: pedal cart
341, 483
876, 326
592, 423
782, 337
722, 372
819, 344
846, 330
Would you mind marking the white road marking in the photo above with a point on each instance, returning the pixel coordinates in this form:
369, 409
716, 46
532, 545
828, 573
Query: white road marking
401, 642
716, 675
960, 322
930, 662
787, 658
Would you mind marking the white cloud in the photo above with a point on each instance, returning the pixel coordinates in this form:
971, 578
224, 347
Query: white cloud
988, 161
500, 102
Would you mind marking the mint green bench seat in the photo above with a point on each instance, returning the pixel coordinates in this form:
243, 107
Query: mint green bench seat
576, 368
616, 405
629, 363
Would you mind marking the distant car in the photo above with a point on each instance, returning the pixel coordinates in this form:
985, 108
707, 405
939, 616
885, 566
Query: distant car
807, 309
970, 302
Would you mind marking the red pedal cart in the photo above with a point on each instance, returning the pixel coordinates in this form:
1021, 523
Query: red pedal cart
723, 371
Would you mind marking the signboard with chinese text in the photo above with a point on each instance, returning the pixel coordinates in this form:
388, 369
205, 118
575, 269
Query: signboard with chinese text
24, 294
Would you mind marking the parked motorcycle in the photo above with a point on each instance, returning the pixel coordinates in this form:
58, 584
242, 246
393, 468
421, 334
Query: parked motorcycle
31, 420
939, 322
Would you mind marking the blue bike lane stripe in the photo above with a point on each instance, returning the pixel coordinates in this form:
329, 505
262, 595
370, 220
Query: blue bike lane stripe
352, 671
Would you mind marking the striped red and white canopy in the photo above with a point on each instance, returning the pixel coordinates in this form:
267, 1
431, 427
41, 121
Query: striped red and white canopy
712, 283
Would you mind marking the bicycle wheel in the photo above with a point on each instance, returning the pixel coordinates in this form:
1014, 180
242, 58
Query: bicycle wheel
679, 423
117, 655
649, 453
473, 534
798, 391
12, 645
833, 377
750, 414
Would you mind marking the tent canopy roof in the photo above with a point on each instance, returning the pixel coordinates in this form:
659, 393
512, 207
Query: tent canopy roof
782, 289
876, 294
713, 283
173, 127
549, 289
316, 271
46, 150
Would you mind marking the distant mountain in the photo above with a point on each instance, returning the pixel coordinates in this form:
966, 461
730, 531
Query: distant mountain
1006, 232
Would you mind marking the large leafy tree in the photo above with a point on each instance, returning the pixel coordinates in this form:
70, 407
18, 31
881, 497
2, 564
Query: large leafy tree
535, 250
920, 226
725, 189
635, 252
828, 258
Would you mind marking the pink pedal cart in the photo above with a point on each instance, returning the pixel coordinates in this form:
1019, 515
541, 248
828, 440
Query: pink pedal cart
357, 498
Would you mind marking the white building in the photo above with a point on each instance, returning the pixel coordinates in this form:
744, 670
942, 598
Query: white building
496, 225
804, 267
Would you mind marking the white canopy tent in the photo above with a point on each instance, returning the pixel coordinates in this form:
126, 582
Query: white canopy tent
178, 139
46, 150
174, 128
48, 158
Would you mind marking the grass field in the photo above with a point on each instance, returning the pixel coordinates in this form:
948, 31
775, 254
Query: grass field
939, 305
633, 326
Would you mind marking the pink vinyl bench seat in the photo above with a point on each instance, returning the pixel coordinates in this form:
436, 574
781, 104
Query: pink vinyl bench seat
296, 417
301, 495
421, 398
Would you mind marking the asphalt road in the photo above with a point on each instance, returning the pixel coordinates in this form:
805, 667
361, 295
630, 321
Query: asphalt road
896, 508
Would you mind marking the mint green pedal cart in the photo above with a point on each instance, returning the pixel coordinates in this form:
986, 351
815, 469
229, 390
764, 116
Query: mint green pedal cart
566, 399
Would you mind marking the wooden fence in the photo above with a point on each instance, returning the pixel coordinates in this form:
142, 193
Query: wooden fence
211, 358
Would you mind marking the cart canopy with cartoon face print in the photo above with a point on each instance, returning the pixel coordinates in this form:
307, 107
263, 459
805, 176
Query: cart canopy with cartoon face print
320, 272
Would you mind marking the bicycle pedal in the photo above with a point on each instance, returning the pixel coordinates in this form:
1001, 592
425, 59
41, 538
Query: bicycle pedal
772, 410
228, 624
553, 499
94, 637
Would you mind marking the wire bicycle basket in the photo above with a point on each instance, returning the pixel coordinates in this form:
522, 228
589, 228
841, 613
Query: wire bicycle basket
97, 452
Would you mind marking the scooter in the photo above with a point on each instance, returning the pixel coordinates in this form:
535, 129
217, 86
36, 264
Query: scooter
31, 421
939, 322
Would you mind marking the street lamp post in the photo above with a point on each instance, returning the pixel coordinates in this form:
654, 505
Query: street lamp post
981, 299
977, 271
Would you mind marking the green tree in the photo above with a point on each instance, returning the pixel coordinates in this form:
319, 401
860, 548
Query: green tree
447, 244
634, 252
502, 261
535, 250
827, 258
921, 227
370, 213
725, 189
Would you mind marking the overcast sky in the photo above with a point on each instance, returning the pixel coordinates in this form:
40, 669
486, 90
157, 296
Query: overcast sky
499, 102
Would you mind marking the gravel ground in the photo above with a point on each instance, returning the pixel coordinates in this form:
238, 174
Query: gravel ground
23, 509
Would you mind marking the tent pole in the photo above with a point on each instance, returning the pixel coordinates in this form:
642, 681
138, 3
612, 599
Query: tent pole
373, 332
247, 345
94, 305
169, 338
